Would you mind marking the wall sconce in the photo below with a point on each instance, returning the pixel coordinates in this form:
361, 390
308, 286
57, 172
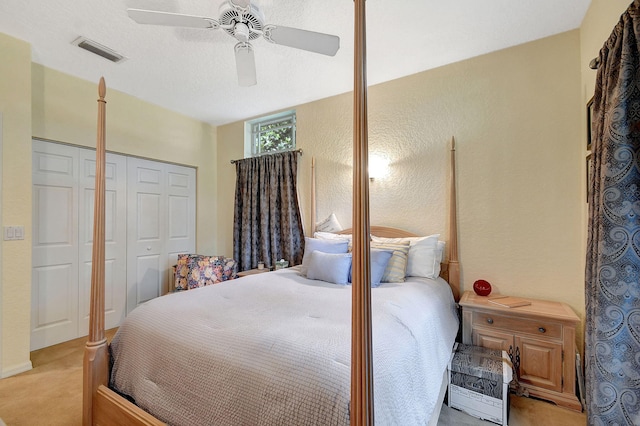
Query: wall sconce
378, 167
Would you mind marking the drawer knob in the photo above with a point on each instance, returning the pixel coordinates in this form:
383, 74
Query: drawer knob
542, 330
490, 320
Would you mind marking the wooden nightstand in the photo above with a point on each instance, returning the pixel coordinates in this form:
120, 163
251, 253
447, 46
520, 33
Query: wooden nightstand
252, 272
544, 332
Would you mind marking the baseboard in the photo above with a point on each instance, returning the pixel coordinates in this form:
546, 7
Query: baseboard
16, 370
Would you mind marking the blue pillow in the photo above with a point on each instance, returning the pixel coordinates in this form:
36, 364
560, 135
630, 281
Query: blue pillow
379, 261
330, 267
326, 246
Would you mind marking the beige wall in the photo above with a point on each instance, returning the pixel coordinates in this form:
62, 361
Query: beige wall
43, 103
15, 106
516, 118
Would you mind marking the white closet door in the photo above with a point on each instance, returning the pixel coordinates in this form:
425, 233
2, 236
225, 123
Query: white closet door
54, 292
161, 223
181, 214
145, 222
115, 236
150, 218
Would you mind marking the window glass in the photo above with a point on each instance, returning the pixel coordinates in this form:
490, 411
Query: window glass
275, 133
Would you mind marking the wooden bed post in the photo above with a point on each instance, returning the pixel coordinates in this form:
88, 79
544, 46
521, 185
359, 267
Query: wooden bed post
96, 355
361, 348
454, 265
313, 196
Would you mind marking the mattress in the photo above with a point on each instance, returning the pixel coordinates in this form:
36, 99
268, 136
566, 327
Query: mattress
274, 349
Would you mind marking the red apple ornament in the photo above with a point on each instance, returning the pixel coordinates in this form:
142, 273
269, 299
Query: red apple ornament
482, 287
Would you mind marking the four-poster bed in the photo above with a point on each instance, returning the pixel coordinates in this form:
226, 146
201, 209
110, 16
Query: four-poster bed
104, 406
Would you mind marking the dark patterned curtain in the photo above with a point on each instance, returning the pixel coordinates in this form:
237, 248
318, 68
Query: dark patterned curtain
612, 291
267, 221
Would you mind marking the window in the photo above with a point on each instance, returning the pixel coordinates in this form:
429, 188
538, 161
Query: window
274, 133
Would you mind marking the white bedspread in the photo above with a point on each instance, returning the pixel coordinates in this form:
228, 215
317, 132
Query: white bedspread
274, 349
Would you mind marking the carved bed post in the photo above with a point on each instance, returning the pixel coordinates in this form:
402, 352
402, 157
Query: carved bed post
454, 265
96, 355
361, 348
313, 196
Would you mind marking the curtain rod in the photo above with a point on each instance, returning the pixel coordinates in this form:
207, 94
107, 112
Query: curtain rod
299, 151
594, 63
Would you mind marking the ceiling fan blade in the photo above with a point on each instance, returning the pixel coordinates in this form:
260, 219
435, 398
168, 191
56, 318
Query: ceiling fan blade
325, 44
245, 64
154, 17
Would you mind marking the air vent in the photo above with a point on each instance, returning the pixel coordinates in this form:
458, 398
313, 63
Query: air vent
98, 49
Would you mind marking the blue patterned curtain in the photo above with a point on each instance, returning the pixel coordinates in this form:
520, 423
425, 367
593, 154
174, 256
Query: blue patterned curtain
612, 324
267, 221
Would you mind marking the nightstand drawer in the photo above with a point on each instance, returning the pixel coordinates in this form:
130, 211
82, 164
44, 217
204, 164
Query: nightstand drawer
518, 325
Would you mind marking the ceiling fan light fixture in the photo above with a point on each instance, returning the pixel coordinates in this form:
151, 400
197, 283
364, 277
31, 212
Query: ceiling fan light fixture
98, 49
245, 65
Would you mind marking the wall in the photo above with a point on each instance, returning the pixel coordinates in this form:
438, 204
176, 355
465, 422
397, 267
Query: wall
516, 119
44, 103
15, 105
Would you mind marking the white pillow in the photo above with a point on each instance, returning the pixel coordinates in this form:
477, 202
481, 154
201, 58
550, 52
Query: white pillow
330, 224
424, 254
441, 246
326, 246
332, 236
330, 267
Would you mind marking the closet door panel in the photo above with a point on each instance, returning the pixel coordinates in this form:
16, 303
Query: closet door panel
146, 223
181, 214
115, 237
54, 289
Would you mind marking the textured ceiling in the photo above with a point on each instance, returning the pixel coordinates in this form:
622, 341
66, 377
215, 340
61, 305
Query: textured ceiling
192, 71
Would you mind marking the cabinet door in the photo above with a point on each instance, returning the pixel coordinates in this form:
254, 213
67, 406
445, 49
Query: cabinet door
540, 363
492, 339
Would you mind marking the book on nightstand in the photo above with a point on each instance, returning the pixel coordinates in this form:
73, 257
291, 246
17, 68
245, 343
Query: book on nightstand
509, 301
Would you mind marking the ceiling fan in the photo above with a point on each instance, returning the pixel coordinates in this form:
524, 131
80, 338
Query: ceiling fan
244, 21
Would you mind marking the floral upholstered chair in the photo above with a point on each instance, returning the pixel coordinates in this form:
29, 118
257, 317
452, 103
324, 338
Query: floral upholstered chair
194, 270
